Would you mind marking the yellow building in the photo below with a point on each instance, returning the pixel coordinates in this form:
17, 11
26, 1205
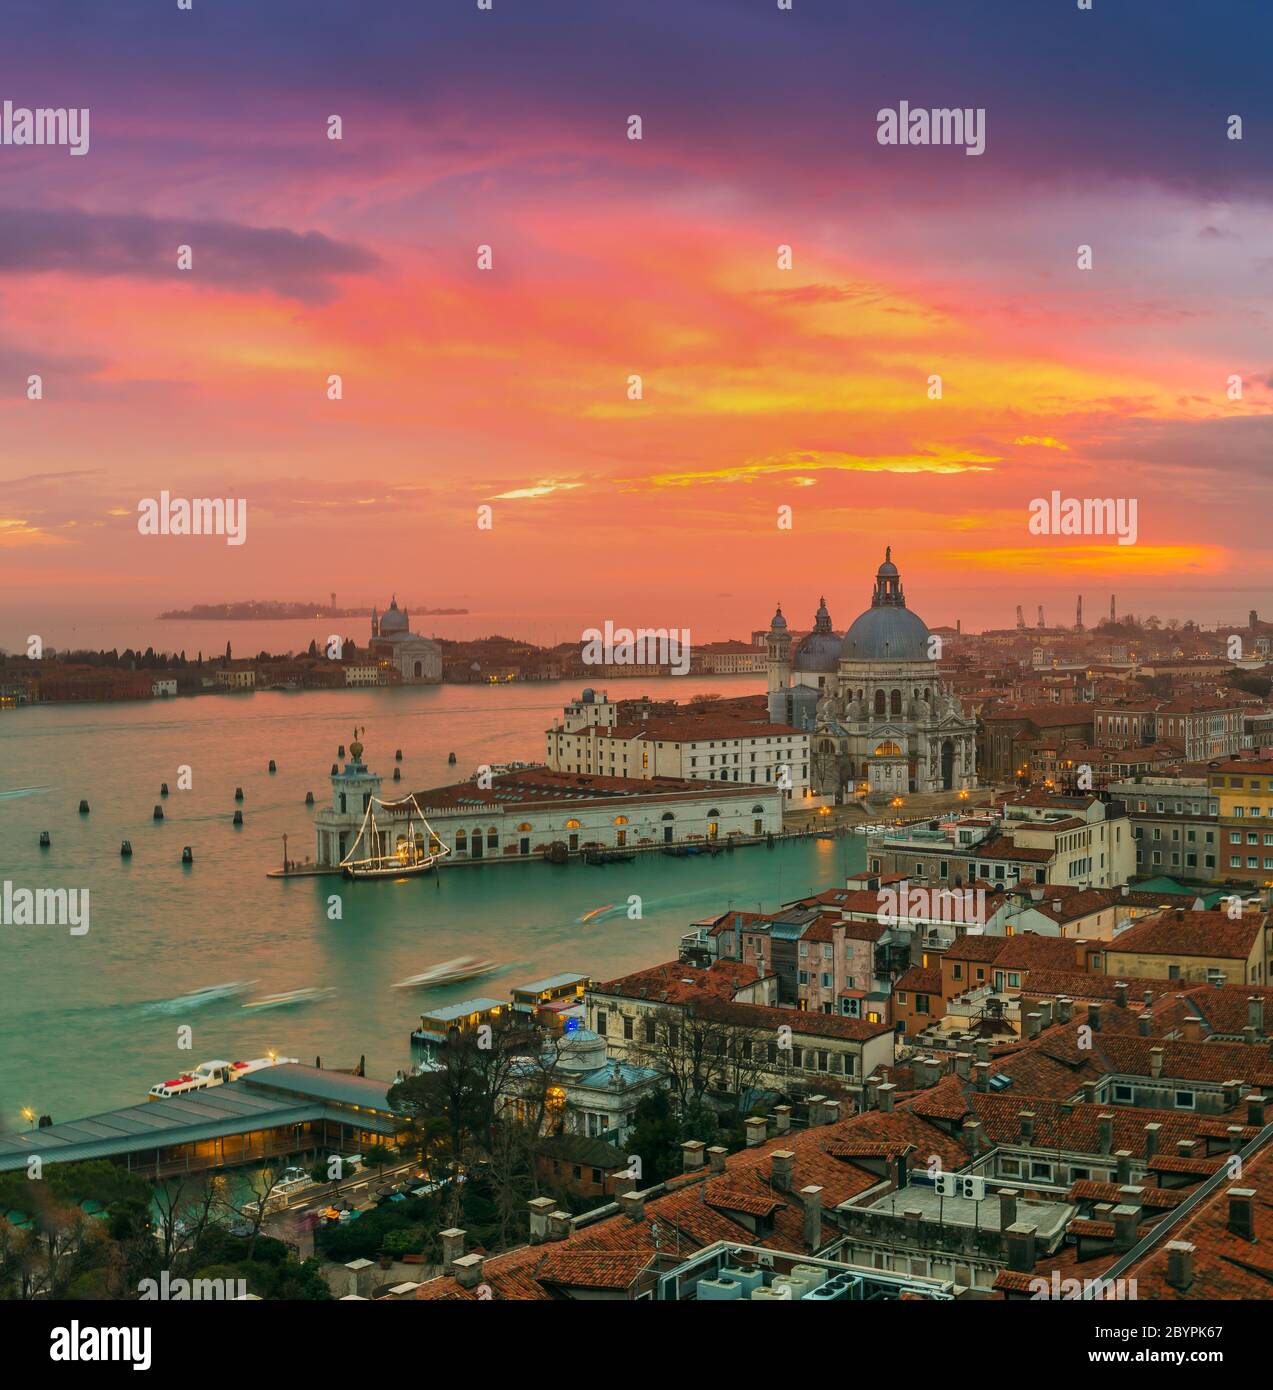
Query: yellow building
1244, 789
1200, 947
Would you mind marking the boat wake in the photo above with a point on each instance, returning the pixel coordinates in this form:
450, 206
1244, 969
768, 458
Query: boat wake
197, 998
289, 998
17, 793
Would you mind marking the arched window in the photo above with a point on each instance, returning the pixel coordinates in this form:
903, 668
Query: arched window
713, 813
879, 703
524, 826
896, 702
461, 837
572, 825
757, 810
620, 820
667, 815
887, 749
928, 695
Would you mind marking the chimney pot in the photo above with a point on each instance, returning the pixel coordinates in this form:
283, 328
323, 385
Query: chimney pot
468, 1271
1156, 1055
1105, 1122
452, 1245
981, 1076
1094, 1017
1180, 1264
716, 1157
1255, 1110
1144, 1023
782, 1163
971, 1135
1026, 1120
1007, 1208
632, 1205
559, 1225
811, 1196
1120, 993
692, 1159
1242, 1212
886, 1092
782, 1118
757, 1131
1020, 1238
1033, 1024
1124, 1157
1064, 1007
1152, 1131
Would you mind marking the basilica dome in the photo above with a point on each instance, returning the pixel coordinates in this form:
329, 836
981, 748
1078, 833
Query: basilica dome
395, 620
888, 630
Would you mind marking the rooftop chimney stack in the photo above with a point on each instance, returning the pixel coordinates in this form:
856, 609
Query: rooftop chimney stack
468, 1271
453, 1244
692, 1159
1094, 1017
812, 1198
1105, 1124
782, 1164
757, 1131
1156, 1055
1007, 1208
1255, 1111
539, 1208
1152, 1131
1180, 1264
1020, 1238
887, 1091
1242, 1212
1120, 993
632, 1205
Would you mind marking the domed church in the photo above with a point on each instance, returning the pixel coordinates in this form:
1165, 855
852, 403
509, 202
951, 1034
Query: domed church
876, 708
419, 659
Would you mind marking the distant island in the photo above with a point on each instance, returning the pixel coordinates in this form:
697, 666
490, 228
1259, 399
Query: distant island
269, 610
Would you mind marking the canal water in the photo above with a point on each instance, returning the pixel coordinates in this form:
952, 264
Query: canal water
90, 1022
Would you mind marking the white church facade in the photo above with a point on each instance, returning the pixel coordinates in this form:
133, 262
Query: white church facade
417, 659
881, 718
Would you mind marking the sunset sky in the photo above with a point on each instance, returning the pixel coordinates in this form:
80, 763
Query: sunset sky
762, 387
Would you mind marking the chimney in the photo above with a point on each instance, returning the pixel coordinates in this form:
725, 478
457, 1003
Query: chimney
632, 1204
1007, 1208
782, 1163
1026, 1120
1064, 1007
1124, 1175
716, 1157
983, 1049
812, 1198
831, 1112
1149, 999
1232, 1093
886, 1092
1056, 904
1255, 1110
539, 1208
1033, 1023
1235, 1138
1126, 1224
559, 1224
782, 1119
981, 1076
624, 1181
963, 1065
1089, 1089
1120, 993
1094, 1017
1255, 1014
1048, 1009
1020, 1238
1193, 1029
971, 1135
1105, 1124
757, 1130
453, 1244
1250, 1036
872, 1092
815, 1104
468, 1271
1156, 1055
1242, 1212
692, 1155
1152, 1131
1186, 1148
1180, 1264
1144, 1023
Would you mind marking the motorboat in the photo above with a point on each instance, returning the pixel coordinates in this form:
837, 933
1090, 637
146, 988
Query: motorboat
449, 972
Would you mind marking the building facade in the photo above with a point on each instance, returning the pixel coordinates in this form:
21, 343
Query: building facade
882, 718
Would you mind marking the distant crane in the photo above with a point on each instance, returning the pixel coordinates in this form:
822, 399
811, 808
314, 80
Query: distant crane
1040, 615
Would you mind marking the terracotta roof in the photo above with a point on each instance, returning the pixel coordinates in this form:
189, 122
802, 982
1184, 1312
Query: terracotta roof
1226, 1266
1177, 932
675, 982
921, 980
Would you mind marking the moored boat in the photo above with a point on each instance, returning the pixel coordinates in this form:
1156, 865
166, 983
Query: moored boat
206, 1074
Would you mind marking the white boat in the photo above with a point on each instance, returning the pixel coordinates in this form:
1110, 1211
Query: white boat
291, 996
393, 841
208, 1074
449, 972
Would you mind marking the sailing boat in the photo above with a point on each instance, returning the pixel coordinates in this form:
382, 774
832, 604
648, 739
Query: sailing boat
393, 841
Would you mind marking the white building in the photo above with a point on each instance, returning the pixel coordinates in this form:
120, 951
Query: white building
696, 745
163, 688
336, 826
362, 673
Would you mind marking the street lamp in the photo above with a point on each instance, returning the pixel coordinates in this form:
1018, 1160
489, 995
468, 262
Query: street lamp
29, 1115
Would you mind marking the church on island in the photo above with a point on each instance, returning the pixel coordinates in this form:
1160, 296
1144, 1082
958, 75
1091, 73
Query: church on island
880, 717
418, 659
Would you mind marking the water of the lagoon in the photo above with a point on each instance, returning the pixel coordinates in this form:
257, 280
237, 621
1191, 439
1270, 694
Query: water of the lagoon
90, 1023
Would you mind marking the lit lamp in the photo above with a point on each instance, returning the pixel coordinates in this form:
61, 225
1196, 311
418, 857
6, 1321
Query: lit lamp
29, 1115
